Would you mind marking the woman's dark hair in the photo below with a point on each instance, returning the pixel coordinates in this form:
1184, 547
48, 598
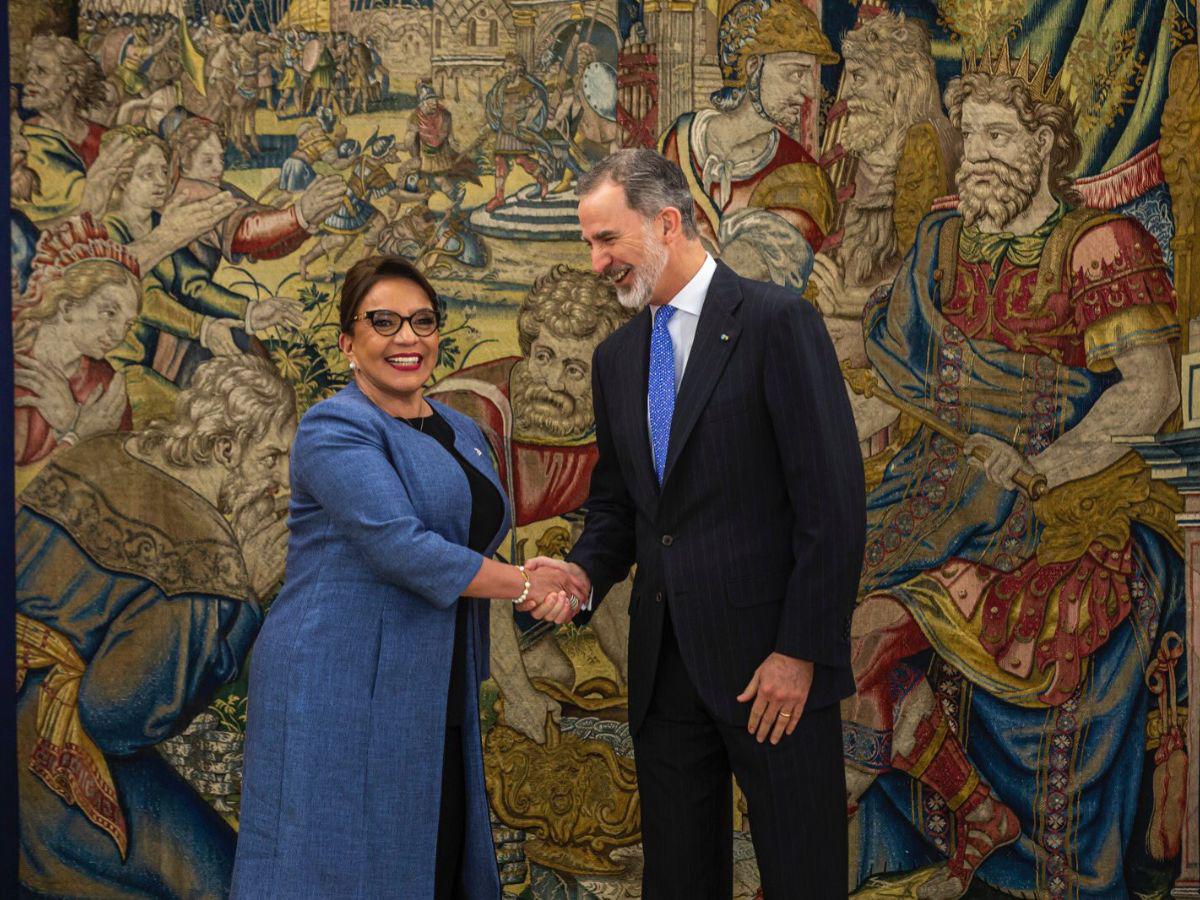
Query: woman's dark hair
366, 273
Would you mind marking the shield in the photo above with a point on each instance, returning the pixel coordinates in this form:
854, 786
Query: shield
600, 89
311, 55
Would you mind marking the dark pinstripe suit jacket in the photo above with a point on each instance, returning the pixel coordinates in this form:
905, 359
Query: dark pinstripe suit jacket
756, 537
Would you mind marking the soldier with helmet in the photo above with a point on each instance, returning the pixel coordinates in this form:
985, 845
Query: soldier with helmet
516, 109
430, 142
745, 152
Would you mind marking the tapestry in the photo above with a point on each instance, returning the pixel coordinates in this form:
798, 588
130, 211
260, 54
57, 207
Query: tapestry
192, 179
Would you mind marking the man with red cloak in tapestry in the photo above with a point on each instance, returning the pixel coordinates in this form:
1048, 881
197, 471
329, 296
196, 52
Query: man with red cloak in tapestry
1019, 580
746, 151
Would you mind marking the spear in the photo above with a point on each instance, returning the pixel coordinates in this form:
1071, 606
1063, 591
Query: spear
866, 384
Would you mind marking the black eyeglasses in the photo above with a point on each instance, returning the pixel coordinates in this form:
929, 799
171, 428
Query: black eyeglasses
423, 322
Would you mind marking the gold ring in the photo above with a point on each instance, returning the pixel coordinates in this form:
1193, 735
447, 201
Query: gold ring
784, 715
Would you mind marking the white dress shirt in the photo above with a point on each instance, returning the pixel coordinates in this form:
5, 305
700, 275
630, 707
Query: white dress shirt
682, 327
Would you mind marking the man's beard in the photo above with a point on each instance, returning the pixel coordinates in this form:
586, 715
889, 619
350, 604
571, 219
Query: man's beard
995, 203
868, 125
868, 244
645, 275
539, 411
250, 504
792, 121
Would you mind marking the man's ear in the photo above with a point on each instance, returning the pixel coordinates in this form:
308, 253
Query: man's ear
1045, 140
225, 452
672, 223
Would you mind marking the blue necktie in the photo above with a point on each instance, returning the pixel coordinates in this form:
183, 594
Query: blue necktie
661, 394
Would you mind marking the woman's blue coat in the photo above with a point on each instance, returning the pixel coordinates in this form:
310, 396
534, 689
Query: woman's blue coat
347, 705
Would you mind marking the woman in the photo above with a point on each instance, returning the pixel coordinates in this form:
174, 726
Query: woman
82, 295
363, 727
181, 303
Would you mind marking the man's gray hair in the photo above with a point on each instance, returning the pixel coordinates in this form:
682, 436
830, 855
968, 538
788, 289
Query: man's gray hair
234, 397
651, 183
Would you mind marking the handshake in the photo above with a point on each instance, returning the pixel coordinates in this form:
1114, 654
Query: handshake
557, 590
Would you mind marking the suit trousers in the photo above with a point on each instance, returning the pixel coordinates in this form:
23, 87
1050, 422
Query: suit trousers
795, 792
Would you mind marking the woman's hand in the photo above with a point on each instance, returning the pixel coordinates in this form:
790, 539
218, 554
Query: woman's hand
552, 597
52, 396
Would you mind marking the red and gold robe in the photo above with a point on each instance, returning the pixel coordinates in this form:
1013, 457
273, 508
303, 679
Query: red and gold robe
543, 479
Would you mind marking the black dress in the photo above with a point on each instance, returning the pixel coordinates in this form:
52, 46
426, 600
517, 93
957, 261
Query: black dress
487, 513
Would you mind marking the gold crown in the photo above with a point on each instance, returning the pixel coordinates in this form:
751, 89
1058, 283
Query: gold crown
1042, 88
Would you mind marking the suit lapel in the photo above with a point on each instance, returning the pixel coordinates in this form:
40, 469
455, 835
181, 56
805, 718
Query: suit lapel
716, 336
632, 426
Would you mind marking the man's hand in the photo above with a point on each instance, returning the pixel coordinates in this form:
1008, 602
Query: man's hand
579, 583
272, 311
834, 296
218, 337
558, 590
114, 156
779, 690
999, 461
320, 199
578, 577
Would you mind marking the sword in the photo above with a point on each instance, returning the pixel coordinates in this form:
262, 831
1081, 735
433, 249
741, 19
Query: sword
866, 384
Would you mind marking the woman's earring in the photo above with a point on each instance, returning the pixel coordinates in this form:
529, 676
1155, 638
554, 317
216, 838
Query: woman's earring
351, 365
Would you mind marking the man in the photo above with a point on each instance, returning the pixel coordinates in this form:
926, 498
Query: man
586, 114
1017, 752
62, 84
430, 143
905, 153
516, 109
142, 562
536, 410
728, 471
135, 56
769, 54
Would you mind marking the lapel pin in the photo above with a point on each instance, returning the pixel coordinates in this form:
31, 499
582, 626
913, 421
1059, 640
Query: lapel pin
725, 337
478, 452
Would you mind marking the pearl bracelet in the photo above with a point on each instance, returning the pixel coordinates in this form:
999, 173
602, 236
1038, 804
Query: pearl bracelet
525, 593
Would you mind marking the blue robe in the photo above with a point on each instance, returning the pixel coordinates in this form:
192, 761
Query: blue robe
349, 679
1072, 772
145, 581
